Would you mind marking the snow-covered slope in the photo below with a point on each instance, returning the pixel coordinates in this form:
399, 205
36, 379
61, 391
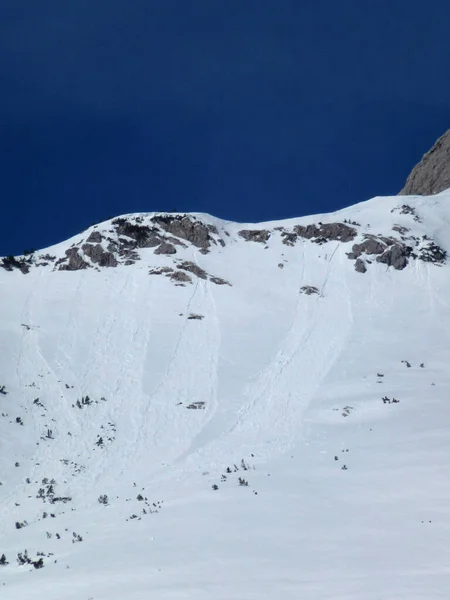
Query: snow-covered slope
154, 358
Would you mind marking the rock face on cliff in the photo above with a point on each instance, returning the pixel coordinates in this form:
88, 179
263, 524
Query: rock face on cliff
432, 174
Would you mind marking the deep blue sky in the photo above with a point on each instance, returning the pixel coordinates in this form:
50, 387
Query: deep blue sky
246, 109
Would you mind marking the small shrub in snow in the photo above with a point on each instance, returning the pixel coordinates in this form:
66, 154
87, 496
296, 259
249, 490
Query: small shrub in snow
243, 481
103, 499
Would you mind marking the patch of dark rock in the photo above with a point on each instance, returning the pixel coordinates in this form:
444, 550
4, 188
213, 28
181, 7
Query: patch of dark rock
432, 173
191, 267
180, 277
47, 257
432, 253
289, 238
165, 248
402, 230
309, 290
9, 263
360, 266
395, 256
280, 266
142, 235
325, 232
196, 406
160, 271
94, 238
99, 255
212, 229
389, 251
196, 317
219, 281
406, 209
187, 228
370, 245
72, 261
255, 235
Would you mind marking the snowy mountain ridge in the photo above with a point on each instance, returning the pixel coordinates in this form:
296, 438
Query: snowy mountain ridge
194, 408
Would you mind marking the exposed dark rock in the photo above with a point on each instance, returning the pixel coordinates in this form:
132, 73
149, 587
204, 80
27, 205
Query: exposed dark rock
72, 262
194, 316
309, 290
9, 263
325, 232
431, 175
196, 406
370, 245
395, 256
94, 238
47, 257
402, 230
165, 248
160, 271
191, 267
255, 235
405, 209
289, 238
360, 267
431, 252
99, 256
143, 236
187, 228
219, 281
180, 277
389, 251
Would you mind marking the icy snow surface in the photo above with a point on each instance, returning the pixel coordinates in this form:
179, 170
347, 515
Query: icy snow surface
348, 497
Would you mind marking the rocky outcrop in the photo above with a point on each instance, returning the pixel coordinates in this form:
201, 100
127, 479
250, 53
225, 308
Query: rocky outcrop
326, 232
94, 238
99, 256
255, 235
396, 256
360, 266
191, 267
395, 252
10, 263
389, 251
140, 236
405, 209
430, 252
188, 228
180, 277
219, 281
431, 175
165, 248
309, 290
72, 261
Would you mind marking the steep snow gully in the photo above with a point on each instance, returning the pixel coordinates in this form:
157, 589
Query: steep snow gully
193, 408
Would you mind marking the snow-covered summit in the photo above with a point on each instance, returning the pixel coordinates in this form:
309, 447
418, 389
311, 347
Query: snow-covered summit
195, 408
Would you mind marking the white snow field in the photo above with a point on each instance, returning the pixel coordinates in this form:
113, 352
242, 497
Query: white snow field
348, 497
